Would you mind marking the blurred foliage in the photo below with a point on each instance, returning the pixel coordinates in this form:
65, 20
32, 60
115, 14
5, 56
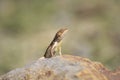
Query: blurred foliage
27, 27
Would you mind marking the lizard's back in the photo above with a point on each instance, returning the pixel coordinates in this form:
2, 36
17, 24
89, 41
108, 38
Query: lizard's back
49, 52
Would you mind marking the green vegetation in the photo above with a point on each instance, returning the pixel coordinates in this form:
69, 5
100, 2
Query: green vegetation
27, 27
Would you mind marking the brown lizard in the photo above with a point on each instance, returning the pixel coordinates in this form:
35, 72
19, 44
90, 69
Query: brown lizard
55, 45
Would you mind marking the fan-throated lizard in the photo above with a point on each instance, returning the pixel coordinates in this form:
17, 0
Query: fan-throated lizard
55, 45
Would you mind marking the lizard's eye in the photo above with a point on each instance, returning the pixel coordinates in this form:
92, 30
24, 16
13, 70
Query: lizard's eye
59, 34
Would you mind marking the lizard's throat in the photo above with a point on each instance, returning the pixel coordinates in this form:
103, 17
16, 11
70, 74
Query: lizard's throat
55, 44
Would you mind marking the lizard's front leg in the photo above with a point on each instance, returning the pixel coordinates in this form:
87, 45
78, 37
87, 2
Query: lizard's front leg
59, 51
59, 48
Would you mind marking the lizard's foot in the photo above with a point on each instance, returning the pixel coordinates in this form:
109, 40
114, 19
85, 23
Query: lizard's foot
60, 53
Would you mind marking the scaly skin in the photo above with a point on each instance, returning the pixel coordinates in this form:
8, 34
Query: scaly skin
55, 45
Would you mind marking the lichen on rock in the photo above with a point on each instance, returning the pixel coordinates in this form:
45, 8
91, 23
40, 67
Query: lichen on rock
64, 67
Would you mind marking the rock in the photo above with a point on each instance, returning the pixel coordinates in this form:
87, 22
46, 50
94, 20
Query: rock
64, 67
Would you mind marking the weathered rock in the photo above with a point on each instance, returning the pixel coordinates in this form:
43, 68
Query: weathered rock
66, 67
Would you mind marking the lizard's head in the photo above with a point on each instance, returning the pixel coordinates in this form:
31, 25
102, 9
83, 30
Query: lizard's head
61, 32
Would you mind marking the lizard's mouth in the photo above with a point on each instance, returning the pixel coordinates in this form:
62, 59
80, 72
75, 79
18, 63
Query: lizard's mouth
65, 31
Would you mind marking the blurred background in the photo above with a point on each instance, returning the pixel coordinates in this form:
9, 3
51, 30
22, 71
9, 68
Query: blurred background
28, 26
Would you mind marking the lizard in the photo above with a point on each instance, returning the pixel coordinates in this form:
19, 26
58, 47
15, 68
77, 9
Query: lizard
55, 45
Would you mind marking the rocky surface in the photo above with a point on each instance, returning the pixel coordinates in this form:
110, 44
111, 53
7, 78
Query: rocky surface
64, 67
